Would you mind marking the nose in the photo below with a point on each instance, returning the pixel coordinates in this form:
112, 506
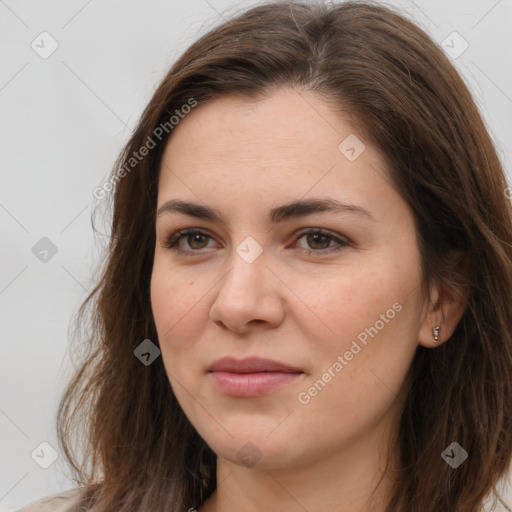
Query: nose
249, 295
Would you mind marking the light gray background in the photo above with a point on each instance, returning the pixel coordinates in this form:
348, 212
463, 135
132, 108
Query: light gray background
64, 120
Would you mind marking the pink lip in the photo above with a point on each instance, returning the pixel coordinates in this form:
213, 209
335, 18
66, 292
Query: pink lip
251, 377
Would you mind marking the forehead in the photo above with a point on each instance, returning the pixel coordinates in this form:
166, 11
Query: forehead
287, 125
281, 147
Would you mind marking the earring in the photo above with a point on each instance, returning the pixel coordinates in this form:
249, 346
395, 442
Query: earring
435, 332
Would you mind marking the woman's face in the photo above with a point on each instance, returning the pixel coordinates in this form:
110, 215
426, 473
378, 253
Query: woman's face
329, 295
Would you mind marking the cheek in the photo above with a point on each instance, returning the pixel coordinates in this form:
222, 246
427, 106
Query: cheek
176, 301
344, 303
172, 302
175, 296
360, 370
369, 318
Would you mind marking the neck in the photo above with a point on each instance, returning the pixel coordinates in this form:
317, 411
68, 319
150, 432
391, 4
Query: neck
350, 479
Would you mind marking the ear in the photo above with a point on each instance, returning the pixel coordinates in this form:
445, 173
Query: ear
448, 300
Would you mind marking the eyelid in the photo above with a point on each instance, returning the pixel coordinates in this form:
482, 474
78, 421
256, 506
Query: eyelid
171, 242
335, 236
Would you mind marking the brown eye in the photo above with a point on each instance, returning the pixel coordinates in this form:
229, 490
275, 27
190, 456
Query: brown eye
319, 242
197, 241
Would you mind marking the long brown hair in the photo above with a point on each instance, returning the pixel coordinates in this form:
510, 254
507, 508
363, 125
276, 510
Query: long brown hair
138, 451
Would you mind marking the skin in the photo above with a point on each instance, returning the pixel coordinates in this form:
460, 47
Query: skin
243, 158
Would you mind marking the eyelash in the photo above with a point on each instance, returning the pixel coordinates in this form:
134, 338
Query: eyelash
172, 241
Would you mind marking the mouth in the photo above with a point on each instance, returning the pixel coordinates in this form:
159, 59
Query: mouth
251, 377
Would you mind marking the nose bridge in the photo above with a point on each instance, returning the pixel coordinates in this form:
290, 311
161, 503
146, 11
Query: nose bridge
245, 293
247, 261
246, 278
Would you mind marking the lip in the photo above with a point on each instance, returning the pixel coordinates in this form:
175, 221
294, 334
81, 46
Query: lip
250, 365
251, 377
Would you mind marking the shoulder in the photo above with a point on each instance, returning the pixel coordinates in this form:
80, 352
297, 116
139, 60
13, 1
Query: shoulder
60, 502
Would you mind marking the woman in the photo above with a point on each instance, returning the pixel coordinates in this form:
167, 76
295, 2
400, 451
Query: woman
305, 301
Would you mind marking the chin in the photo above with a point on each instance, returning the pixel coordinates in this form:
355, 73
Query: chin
255, 450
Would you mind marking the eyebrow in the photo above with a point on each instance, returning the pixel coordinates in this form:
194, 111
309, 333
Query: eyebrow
277, 214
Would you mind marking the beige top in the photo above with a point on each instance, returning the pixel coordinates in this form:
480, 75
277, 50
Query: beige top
60, 502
